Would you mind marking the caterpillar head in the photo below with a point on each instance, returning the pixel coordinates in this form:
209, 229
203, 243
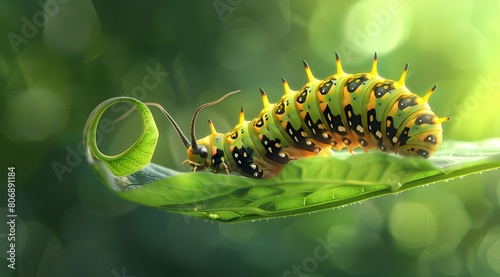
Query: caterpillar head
197, 157
197, 150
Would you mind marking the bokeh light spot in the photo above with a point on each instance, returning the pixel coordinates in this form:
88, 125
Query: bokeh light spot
237, 48
238, 235
33, 114
72, 27
412, 225
375, 26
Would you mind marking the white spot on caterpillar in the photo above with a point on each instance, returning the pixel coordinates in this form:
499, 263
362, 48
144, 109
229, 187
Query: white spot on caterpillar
341, 128
360, 128
253, 166
265, 142
239, 161
236, 155
314, 131
325, 135
394, 139
282, 155
245, 154
296, 138
378, 134
270, 149
308, 142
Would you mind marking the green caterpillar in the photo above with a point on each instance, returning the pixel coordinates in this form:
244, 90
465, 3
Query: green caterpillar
342, 111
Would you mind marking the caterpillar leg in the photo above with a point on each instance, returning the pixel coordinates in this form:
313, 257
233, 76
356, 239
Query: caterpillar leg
224, 165
226, 168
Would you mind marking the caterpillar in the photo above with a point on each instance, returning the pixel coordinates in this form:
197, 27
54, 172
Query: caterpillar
342, 111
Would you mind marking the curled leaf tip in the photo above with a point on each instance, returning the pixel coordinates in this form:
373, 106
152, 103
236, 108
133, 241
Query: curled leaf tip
137, 155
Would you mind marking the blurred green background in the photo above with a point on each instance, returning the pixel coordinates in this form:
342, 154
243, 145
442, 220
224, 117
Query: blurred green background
61, 59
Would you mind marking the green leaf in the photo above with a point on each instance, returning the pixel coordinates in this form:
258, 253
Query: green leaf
304, 186
136, 156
